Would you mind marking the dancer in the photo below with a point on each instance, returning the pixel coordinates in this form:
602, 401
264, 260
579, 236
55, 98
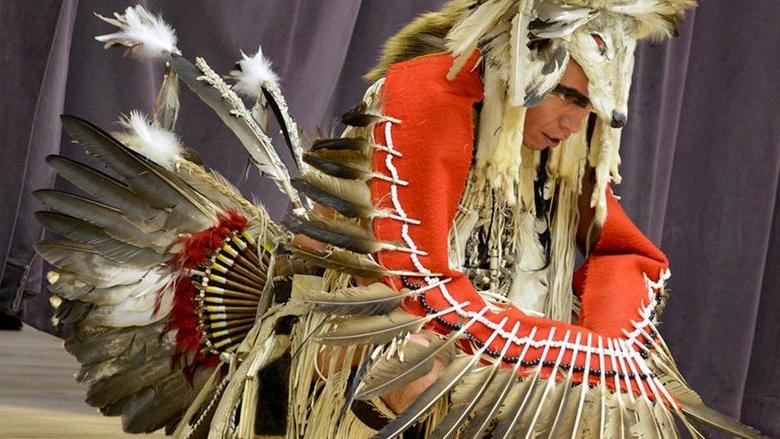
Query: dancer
431, 287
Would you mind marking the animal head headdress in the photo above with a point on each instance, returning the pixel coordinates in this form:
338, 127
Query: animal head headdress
526, 46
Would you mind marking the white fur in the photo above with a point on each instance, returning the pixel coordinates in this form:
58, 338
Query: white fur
146, 35
151, 141
256, 71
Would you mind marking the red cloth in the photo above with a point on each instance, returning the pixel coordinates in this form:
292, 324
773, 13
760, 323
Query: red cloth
436, 137
611, 282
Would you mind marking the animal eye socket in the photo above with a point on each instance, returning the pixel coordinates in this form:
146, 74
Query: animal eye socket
600, 43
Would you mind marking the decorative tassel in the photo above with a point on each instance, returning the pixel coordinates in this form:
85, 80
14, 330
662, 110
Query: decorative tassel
150, 140
253, 73
145, 35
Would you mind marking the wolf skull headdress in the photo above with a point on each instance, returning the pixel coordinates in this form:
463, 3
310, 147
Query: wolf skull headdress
526, 45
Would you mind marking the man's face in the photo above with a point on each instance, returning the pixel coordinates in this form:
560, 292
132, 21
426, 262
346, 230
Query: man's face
561, 113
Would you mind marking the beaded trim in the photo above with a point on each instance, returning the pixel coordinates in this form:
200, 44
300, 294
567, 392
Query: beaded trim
624, 358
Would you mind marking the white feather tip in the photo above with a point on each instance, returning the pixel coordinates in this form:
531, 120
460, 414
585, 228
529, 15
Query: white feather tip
144, 34
256, 72
148, 139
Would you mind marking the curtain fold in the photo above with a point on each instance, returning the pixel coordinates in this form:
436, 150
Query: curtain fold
701, 151
31, 120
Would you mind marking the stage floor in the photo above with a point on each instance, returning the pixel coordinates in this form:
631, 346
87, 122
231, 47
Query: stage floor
39, 397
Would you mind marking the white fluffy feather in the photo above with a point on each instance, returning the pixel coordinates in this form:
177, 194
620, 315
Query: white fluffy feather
146, 35
151, 141
256, 70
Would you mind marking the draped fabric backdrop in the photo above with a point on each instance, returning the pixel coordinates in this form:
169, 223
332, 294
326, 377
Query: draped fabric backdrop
701, 151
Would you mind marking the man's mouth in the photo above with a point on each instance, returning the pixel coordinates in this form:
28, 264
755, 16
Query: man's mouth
552, 142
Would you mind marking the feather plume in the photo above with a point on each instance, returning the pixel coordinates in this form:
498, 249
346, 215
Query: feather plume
135, 355
118, 387
518, 408
451, 375
511, 389
113, 342
464, 36
558, 20
156, 405
257, 80
376, 298
253, 73
150, 140
133, 311
144, 34
519, 73
212, 90
67, 286
348, 164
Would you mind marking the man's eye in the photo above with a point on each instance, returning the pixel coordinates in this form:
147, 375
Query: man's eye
600, 43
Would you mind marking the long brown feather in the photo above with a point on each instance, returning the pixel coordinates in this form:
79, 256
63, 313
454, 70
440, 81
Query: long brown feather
349, 197
109, 191
339, 259
373, 329
373, 299
145, 179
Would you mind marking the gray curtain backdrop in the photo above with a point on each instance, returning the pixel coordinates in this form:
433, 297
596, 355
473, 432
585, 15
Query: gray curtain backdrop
701, 151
